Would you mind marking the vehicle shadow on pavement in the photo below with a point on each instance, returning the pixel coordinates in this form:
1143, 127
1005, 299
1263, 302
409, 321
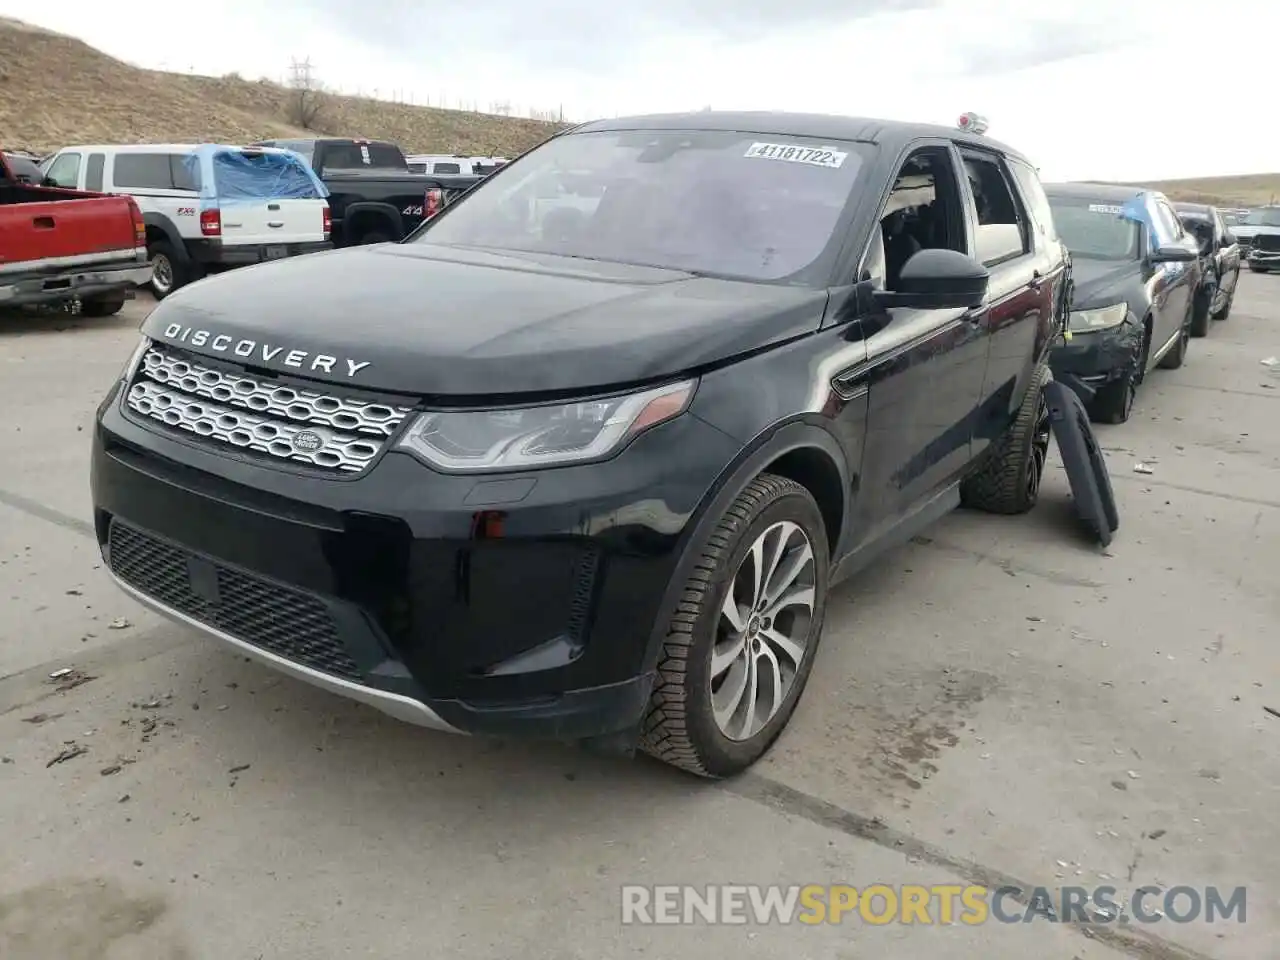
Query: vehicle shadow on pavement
40, 322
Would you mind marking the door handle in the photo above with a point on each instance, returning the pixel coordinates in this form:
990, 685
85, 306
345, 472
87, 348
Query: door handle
42, 223
275, 223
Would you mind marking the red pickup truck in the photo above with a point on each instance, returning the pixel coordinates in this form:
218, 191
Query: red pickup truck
66, 246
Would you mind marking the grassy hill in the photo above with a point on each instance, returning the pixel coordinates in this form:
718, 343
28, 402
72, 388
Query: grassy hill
1251, 190
56, 90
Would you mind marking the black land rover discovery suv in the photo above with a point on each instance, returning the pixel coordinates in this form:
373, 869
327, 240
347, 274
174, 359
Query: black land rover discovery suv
582, 457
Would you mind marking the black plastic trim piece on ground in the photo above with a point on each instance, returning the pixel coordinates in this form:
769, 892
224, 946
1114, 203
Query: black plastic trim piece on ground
1083, 461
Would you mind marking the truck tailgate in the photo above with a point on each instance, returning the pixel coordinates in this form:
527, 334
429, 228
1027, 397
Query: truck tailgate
66, 229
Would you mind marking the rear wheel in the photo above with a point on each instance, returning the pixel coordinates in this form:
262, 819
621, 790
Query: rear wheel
102, 306
1009, 481
169, 271
374, 236
741, 644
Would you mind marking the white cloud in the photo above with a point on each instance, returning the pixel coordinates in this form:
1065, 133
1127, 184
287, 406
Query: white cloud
1160, 95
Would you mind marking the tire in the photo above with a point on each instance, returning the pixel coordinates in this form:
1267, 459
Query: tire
1113, 403
1226, 307
374, 236
102, 306
1200, 307
681, 726
1257, 269
1009, 481
169, 271
1175, 357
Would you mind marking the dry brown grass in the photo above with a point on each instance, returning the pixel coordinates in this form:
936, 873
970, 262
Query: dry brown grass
56, 90
1251, 190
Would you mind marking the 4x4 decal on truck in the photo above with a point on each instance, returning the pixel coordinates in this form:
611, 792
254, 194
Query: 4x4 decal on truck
412, 210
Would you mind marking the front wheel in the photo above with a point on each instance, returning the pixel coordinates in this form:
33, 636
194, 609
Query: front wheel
1113, 403
1257, 269
1175, 357
741, 644
1225, 310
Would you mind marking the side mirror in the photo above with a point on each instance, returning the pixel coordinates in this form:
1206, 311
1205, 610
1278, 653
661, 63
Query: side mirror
1174, 253
937, 280
48, 182
1228, 238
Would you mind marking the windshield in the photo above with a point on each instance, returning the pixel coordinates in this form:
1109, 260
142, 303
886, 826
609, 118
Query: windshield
720, 203
1267, 217
1094, 230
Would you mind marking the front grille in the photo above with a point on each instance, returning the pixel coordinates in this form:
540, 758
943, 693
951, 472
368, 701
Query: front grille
1266, 241
263, 417
278, 619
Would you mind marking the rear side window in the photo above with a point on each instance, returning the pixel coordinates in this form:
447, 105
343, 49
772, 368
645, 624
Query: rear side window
153, 171
93, 172
250, 175
1001, 233
1037, 201
358, 156
447, 168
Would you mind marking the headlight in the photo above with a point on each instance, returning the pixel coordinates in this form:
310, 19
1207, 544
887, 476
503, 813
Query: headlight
1101, 318
542, 436
135, 358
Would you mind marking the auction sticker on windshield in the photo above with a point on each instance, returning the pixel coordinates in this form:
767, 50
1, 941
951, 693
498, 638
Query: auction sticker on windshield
819, 157
1105, 208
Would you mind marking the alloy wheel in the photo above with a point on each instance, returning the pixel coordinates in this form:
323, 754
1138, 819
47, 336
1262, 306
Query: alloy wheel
1039, 454
763, 631
161, 274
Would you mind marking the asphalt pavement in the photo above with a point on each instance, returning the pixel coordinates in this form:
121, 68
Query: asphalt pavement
998, 703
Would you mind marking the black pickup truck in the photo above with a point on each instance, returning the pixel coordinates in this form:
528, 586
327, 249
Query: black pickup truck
373, 196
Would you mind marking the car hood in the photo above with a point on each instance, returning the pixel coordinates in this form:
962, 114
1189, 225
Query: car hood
1100, 283
435, 321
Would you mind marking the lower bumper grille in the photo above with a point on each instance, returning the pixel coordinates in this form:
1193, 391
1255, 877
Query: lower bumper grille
278, 619
1269, 243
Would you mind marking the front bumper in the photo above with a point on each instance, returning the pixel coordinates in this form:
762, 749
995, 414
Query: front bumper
80, 285
1264, 258
1099, 357
215, 253
523, 605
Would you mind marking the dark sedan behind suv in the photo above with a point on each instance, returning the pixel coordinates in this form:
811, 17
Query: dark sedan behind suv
1136, 272
584, 455
1219, 259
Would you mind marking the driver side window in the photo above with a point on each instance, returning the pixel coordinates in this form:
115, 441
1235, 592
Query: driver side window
65, 171
922, 212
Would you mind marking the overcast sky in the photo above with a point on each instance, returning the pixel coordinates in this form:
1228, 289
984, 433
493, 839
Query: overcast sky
1120, 89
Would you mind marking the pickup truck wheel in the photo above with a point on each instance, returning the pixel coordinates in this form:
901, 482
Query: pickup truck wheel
168, 270
741, 644
1009, 482
375, 236
102, 306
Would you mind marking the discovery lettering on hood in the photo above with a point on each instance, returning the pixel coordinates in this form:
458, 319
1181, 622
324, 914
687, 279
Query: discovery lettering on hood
253, 349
